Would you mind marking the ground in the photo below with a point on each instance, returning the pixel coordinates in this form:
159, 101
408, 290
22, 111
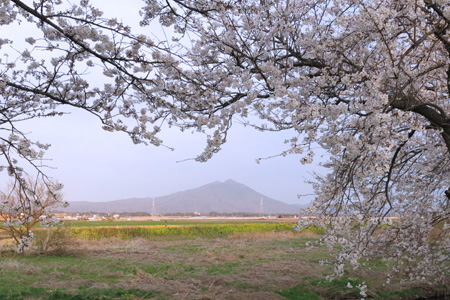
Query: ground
263, 265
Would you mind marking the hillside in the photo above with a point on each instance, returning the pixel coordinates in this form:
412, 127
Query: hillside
222, 197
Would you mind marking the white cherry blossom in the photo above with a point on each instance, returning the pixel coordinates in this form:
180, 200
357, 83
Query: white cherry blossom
368, 81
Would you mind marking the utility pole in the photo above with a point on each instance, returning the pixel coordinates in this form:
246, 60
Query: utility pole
261, 207
153, 207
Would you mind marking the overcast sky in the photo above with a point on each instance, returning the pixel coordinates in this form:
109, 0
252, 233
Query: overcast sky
95, 165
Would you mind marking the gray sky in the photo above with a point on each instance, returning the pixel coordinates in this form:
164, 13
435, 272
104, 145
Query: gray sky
95, 165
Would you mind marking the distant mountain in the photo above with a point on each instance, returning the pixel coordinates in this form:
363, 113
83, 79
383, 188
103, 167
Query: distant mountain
221, 197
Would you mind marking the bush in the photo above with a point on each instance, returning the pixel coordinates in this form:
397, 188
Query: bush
55, 240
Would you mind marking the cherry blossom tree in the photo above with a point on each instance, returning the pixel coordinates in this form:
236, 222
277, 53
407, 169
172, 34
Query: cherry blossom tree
368, 81
50, 65
22, 206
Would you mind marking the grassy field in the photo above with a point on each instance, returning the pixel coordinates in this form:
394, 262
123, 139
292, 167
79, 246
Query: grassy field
226, 264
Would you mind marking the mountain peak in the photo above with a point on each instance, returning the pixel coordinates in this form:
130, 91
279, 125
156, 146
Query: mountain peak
228, 182
231, 181
228, 197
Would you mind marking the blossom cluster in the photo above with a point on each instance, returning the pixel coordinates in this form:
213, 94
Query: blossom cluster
367, 81
26, 202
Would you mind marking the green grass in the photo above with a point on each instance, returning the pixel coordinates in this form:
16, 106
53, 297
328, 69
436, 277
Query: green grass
337, 287
82, 293
6, 293
320, 288
240, 284
298, 292
18, 275
224, 269
404, 294
204, 258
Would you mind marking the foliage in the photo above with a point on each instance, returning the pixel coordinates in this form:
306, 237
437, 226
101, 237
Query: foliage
56, 240
368, 81
24, 205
